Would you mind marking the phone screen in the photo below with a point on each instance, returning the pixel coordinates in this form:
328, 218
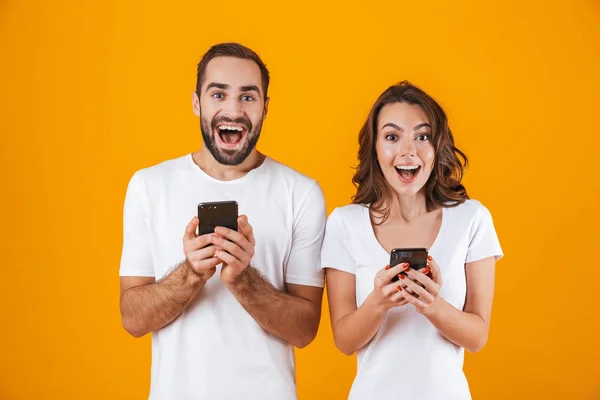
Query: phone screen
416, 258
213, 214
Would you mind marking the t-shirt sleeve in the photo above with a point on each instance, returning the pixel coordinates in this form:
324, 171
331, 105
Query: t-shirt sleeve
483, 241
303, 266
136, 256
336, 245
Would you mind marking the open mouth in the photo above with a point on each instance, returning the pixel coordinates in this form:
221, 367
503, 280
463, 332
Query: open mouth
230, 135
408, 173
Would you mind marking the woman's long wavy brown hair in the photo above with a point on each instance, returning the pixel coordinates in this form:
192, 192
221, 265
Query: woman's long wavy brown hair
443, 187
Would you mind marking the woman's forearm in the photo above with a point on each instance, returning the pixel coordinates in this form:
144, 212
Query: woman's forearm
464, 329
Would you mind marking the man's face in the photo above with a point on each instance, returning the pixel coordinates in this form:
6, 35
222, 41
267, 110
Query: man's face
231, 108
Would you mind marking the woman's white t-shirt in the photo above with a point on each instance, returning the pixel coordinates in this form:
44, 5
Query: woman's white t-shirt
408, 358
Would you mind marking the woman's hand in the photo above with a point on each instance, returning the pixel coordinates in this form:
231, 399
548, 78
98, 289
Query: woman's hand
386, 294
423, 292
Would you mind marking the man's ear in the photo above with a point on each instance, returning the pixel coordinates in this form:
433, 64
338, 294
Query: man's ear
196, 103
266, 107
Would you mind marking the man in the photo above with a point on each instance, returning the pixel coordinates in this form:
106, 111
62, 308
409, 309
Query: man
224, 309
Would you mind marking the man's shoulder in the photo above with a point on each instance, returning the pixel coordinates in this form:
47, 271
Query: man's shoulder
289, 174
163, 170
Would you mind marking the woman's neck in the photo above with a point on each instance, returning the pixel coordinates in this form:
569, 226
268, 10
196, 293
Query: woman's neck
407, 208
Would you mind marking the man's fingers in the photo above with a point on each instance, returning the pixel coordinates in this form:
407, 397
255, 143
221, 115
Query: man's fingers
203, 260
245, 228
235, 237
202, 266
203, 253
228, 259
200, 242
190, 229
229, 247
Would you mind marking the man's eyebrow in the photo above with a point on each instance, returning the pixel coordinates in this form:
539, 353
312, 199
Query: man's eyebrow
250, 88
217, 85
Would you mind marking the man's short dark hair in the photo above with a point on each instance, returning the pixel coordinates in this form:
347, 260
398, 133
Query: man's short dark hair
232, 50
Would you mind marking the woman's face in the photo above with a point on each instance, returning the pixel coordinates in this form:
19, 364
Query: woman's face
403, 146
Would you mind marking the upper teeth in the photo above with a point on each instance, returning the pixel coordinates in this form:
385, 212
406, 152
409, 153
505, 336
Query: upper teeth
407, 167
231, 128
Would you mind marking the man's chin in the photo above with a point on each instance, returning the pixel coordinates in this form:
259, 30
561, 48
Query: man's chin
230, 157
229, 150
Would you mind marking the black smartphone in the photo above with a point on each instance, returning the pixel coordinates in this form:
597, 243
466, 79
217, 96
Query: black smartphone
217, 213
415, 257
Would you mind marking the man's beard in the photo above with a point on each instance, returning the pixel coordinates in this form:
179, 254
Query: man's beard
230, 157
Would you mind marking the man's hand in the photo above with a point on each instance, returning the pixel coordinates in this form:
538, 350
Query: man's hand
199, 252
235, 249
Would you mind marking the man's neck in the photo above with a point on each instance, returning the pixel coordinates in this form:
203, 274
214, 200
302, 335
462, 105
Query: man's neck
204, 159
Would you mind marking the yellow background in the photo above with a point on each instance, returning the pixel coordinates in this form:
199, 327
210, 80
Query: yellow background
92, 91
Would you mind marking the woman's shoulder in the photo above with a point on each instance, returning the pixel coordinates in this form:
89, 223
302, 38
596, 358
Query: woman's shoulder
348, 213
471, 209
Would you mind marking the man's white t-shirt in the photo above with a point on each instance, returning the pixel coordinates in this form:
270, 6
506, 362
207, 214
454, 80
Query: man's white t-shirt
215, 349
408, 358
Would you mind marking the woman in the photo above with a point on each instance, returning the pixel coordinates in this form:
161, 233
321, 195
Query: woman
410, 334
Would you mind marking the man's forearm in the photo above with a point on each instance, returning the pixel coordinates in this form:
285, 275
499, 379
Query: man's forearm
290, 318
148, 308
